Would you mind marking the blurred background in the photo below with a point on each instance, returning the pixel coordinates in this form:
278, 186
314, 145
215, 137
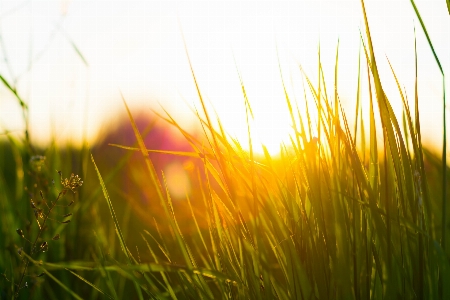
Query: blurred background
71, 60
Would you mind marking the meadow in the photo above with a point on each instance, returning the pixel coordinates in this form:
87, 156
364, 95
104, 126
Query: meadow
330, 217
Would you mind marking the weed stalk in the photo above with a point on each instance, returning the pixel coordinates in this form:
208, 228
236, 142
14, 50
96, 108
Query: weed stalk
69, 184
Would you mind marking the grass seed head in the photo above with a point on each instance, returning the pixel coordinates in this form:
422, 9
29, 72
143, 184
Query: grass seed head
71, 183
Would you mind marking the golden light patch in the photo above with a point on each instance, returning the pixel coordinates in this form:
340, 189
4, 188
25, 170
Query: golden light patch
177, 180
189, 166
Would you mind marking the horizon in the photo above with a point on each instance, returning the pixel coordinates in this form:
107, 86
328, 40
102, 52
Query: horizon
144, 58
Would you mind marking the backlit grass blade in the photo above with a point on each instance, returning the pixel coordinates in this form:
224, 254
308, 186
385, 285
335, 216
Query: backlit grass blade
358, 96
101, 267
444, 127
163, 275
67, 289
373, 167
89, 283
390, 137
336, 102
178, 153
198, 229
168, 207
427, 35
214, 146
148, 163
111, 210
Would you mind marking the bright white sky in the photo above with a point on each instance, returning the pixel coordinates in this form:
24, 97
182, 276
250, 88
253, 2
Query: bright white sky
137, 47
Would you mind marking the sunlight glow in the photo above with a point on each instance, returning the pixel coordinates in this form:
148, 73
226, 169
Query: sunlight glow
177, 180
137, 48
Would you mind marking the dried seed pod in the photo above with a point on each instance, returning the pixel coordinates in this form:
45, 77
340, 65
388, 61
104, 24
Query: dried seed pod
56, 237
40, 275
65, 222
42, 195
33, 205
20, 232
19, 251
44, 247
38, 213
68, 215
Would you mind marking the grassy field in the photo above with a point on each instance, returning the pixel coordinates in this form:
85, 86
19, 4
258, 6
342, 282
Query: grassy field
331, 217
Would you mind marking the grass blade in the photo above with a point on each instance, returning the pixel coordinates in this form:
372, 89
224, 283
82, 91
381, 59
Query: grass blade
61, 284
113, 214
89, 283
444, 126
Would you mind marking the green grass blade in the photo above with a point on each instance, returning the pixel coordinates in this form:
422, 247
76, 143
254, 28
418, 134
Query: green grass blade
72, 293
76, 49
427, 36
14, 91
111, 210
444, 126
89, 283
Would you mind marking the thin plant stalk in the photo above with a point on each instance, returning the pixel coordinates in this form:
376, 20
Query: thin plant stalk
68, 184
33, 246
444, 138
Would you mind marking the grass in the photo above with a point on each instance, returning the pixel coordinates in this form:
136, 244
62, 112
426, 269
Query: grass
329, 218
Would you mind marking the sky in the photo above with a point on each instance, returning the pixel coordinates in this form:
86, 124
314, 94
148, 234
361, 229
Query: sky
72, 60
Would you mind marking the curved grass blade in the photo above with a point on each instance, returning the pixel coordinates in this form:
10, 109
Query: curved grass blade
14, 91
89, 283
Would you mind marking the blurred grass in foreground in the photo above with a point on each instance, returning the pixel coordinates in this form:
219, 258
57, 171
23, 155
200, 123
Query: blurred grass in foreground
330, 217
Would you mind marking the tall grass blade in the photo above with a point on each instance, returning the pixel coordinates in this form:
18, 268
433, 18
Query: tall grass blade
444, 272
444, 127
113, 213
148, 162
